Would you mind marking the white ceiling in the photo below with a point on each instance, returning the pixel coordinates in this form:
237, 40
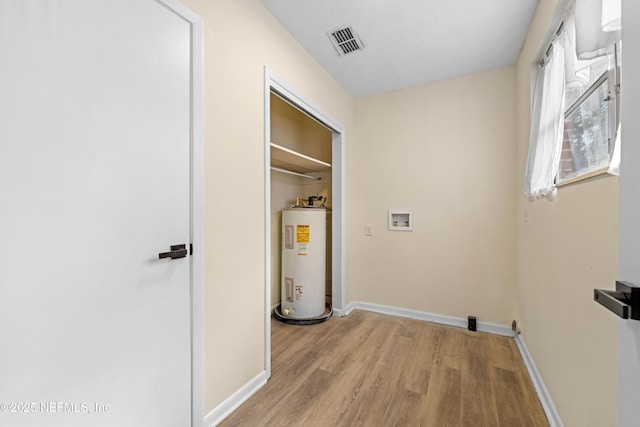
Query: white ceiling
408, 42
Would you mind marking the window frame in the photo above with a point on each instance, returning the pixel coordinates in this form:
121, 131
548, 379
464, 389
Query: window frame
612, 78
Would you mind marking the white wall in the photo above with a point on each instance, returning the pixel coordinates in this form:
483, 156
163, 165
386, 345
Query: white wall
240, 38
566, 249
629, 331
445, 150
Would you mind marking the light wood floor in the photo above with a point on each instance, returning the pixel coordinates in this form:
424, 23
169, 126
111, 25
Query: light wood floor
369, 369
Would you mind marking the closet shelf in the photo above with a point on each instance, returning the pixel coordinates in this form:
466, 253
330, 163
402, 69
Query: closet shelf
284, 158
273, 168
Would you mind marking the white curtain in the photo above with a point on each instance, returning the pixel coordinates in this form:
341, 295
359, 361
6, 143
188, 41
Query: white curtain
576, 74
547, 125
598, 26
611, 15
614, 167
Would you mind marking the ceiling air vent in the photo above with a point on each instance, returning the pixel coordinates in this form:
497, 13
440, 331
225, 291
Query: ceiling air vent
345, 40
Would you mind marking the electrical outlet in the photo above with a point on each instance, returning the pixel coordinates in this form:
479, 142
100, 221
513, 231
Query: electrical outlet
368, 229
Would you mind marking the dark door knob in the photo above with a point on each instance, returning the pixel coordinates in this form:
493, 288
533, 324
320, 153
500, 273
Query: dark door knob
177, 251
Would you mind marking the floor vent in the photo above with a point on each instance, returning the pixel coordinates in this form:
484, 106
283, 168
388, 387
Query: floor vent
345, 40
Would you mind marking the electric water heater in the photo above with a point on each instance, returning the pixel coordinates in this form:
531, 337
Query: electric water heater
304, 240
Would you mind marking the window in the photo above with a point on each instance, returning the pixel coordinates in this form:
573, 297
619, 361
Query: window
590, 117
574, 116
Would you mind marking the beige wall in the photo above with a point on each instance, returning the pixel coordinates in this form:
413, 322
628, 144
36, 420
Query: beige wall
446, 151
567, 248
240, 38
451, 152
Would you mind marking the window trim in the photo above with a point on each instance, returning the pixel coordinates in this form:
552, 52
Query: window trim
586, 175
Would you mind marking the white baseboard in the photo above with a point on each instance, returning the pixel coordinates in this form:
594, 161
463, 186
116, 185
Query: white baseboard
430, 317
543, 394
349, 308
344, 312
232, 403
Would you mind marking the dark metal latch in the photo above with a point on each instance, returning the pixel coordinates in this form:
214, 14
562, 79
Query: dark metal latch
177, 251
623, 302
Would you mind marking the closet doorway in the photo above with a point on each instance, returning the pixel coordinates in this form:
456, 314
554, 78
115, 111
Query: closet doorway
304, 144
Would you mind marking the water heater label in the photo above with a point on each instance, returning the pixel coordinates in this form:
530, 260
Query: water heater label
302, 249
298, 292
302, 234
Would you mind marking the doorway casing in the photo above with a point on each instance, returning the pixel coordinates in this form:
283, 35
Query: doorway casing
196, 227
274, 84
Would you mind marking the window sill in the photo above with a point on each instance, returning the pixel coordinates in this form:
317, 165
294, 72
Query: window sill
587, 175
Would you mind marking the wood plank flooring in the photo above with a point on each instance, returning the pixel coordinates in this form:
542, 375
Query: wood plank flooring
369, 369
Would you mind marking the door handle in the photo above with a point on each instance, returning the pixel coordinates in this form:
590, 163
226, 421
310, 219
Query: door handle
177, 251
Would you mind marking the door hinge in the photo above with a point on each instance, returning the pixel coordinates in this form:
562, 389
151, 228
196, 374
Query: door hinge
190, 248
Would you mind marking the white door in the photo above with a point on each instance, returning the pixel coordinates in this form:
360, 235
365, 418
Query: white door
629, 248
94, 184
